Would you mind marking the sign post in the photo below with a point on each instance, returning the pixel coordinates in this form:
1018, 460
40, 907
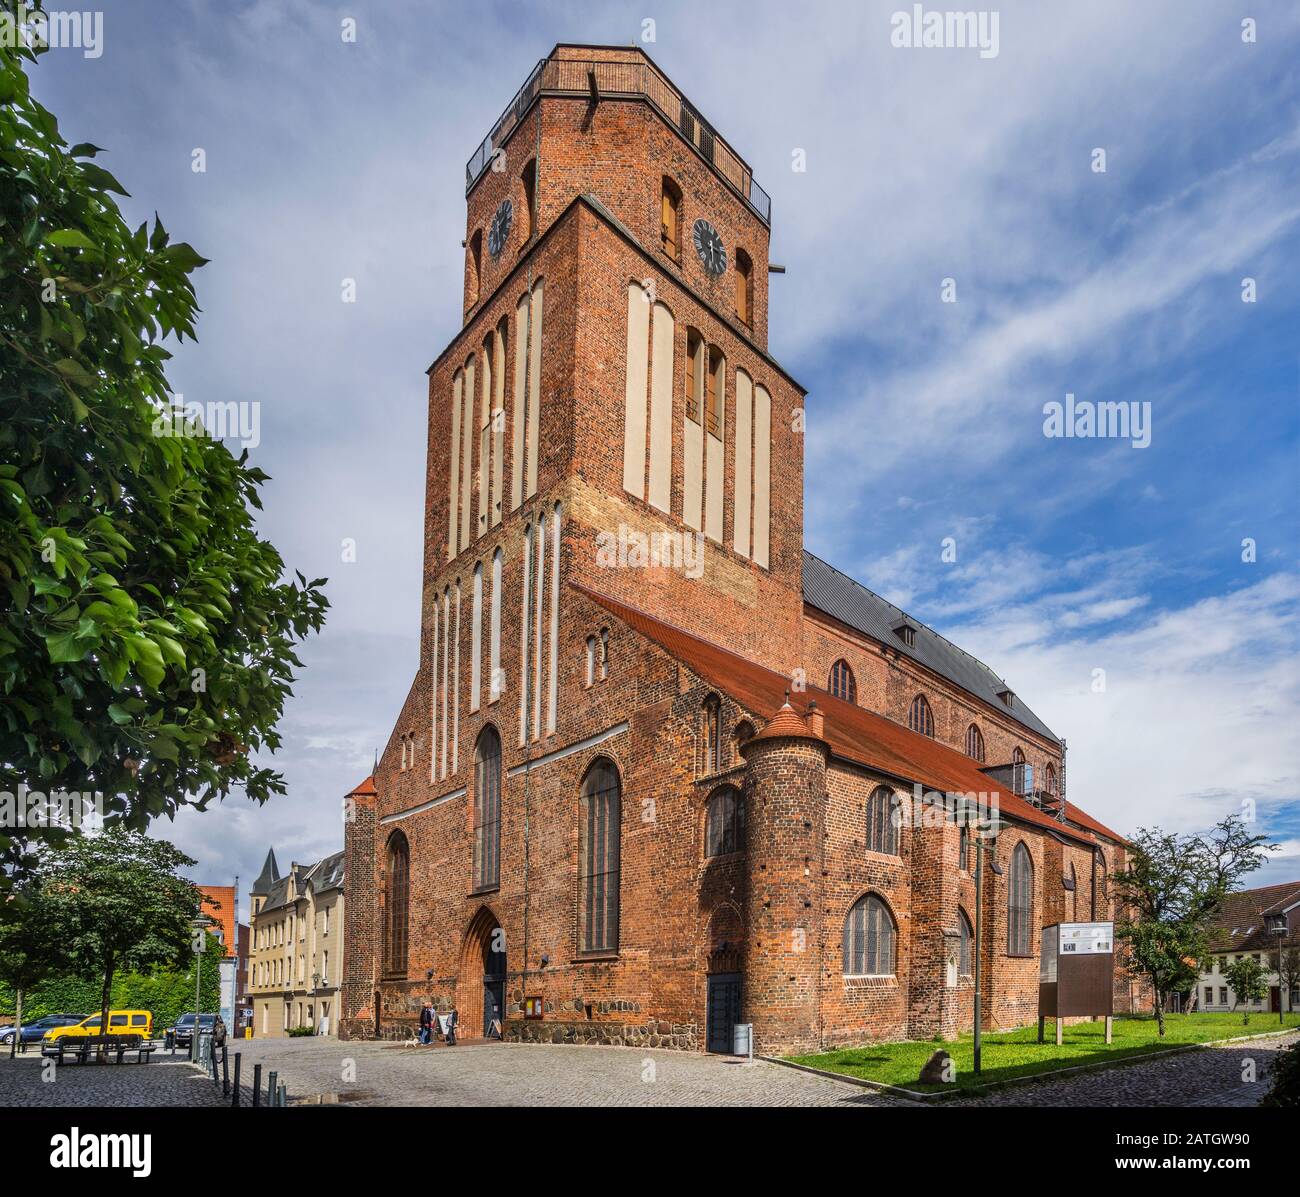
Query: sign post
1076, 975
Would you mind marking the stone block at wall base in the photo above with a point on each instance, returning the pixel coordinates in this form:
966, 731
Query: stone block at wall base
679, 1036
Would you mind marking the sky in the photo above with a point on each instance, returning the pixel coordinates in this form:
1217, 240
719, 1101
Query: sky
957, 258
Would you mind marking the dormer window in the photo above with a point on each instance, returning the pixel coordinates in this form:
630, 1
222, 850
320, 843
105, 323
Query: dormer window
1007, 698
905, 630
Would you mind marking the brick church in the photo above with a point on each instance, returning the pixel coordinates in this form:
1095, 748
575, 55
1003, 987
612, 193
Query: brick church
657, 770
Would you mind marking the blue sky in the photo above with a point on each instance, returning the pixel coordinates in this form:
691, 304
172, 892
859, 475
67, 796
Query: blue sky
328, 161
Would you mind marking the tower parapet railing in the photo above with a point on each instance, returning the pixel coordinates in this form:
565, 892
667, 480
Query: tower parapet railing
623, 79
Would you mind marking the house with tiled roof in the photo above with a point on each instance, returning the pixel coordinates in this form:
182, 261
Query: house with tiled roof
1259, 923
661, 772
295, 966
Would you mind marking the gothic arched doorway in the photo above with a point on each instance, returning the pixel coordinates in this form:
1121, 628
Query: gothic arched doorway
483, 977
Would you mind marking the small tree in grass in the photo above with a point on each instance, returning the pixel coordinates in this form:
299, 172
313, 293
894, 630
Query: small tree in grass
1168, 894
1246, 977
29, 951
1289, 977
115, 902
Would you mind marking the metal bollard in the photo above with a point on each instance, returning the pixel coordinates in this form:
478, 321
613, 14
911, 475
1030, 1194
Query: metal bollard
284, 1094
225, 1071
257, 1085
234, 1100
270, 1089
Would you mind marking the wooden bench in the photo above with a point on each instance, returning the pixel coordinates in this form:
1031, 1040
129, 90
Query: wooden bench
82, 1048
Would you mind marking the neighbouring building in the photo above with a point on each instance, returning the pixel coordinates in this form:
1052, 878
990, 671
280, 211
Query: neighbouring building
295, 964
1248, 925
223, 909
647, 781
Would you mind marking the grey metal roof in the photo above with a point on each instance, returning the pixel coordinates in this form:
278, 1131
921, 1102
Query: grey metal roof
825, 588
324, 875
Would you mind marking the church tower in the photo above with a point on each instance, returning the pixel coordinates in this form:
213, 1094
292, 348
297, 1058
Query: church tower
609, 414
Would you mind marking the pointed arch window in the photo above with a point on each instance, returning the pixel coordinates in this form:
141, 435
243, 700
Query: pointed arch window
975, 743
711, 735
670, 219
725, 825
744, 287
1020, 903
965, 939
1050, 775
882, 830
920, 718
1017, 757
397, 886
842, 682
598, 858
487, 810
869, 934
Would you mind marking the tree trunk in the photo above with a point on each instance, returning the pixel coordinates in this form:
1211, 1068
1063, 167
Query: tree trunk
1160, 1011
18, 1021
106, 1000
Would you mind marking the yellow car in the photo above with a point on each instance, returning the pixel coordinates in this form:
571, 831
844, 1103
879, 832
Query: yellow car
120, 1022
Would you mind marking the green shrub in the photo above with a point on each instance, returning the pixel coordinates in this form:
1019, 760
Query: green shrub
1286, 1079
300, 1032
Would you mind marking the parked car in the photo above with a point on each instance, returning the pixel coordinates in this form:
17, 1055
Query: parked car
35, 1030
120, 1022
184, 1028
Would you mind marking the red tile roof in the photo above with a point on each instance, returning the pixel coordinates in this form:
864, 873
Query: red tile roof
365, 790
222, 913
785, 724
1240, 924
854, 734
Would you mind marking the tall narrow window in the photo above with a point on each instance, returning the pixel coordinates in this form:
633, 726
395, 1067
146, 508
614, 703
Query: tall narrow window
713, 391
496, 680
487, 810
920, 718
869, 939
974, 743
525, 621
710, 732
1051, 779
694, 373
842, 683
598, 858
882, 829
529, 180
671, 218
476, 639
963, 849
1020, 903
965, 938
744, 287
475, 264
591, 660
396, 903
724, 830
604, 653
1017, 757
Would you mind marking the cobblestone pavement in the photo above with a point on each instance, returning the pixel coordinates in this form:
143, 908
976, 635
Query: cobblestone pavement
161, 1082
1211, 1076
537, 1074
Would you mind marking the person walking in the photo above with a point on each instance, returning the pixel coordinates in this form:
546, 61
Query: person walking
426, 1023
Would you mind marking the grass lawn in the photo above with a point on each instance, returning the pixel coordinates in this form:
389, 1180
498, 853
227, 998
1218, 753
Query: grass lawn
1010, 1054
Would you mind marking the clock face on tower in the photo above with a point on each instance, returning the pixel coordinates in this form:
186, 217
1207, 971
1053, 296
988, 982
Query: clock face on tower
710, 248
500, 229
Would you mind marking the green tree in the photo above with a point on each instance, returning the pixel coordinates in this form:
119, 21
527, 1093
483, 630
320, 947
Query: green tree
1246, 976
117, 902
1289, 978
1168, 894
147, 633
30, 952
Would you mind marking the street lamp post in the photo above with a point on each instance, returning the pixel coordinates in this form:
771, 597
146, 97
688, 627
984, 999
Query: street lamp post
200, 925
986, 831
1277, 924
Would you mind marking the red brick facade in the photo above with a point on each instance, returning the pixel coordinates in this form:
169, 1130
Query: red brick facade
623, 664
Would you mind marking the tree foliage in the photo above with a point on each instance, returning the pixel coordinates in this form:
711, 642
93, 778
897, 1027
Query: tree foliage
116, 902
147, 633
1170, 891
1246, 976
